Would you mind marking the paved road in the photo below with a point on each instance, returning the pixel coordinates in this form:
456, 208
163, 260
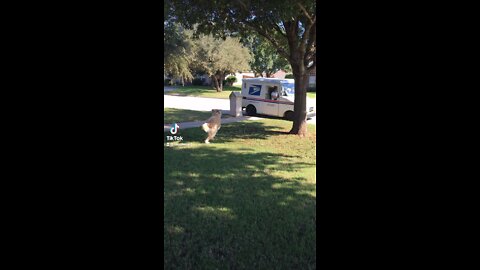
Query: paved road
168, 88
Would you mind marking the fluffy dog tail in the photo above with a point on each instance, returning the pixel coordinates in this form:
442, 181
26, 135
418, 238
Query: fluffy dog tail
205, 127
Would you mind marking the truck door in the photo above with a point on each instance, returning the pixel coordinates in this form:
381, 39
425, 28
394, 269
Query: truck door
272, 92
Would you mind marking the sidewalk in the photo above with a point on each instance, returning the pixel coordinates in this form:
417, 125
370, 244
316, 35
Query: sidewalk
197, 124
169, 88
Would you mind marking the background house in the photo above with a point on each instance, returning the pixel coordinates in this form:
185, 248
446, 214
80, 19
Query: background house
279, 74
250, 74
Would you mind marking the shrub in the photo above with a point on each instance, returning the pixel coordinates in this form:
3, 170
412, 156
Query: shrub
167, 82
289, 76
312, 89
198, 81
231, 80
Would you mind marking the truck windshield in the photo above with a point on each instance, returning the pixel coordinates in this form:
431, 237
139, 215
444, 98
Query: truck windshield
289, 88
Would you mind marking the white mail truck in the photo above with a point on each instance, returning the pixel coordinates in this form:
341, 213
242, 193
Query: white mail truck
271, 96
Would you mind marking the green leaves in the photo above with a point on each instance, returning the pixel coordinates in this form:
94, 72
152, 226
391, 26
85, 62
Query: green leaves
265, 57
177, 52
226, 56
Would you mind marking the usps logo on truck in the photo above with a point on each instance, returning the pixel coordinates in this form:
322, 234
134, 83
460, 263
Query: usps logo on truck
254, 90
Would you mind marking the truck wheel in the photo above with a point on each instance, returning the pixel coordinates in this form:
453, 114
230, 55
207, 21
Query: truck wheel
289, 115
251, 110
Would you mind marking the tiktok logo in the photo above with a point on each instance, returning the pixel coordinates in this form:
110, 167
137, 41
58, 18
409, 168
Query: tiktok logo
174, 128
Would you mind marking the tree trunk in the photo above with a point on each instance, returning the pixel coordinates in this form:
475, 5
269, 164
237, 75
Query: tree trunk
221, 78
218, 80
215, 82
300, 114
297, 58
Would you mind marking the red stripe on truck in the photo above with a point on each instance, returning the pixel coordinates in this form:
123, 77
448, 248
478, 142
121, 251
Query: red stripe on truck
269, 100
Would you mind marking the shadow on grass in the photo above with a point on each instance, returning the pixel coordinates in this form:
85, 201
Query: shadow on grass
247, 130
230, 132
233, 131
231, 210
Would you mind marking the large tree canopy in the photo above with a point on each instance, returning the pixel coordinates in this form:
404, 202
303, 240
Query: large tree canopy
290, 26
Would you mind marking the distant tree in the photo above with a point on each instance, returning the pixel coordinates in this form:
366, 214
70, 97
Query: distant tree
290, 26
218, 57
266, 59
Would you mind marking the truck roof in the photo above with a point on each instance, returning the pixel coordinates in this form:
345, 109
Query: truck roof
269, 80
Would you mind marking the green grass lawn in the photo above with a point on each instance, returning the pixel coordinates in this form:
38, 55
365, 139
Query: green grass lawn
203, 91
172, 115
245, 201
208, 91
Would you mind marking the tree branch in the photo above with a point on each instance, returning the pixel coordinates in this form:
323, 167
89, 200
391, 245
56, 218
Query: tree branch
287, 26
274, 42
297, 20
243, 5
309, 38
309, 57
313, 64
303, 41
310, 47
278, 29
312, 21
291, 36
